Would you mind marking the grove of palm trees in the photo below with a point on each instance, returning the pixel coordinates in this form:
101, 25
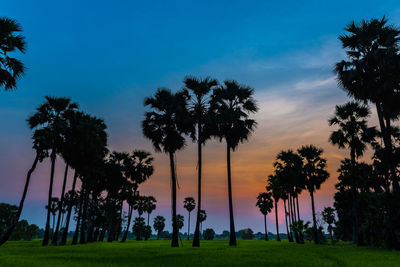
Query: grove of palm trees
112, 204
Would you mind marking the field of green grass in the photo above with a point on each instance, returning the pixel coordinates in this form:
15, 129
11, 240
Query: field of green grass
211, 253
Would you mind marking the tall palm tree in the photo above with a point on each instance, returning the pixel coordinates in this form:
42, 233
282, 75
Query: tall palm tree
10, 41
165, 126
199, 90
159, 224
315, 174
50, 116
275, 187
150, 206
40, 145
85, 144
370, 73
230, 106
354, 134
265, 204
189, 204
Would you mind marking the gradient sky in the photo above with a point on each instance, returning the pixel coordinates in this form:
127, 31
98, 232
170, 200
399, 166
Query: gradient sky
109, 55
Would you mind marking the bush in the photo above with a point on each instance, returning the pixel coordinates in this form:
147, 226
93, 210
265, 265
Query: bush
209, 234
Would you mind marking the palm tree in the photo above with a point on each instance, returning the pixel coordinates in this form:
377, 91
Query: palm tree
159, 224
180, 221
354, 134
140, 205
203, 217
50, 116
265, 204
370, 73
230, 107
150, 206
84, 146
199, 89
189, 204
10, 41
315, 173
277, 192
328, 215
165, 126
41, 147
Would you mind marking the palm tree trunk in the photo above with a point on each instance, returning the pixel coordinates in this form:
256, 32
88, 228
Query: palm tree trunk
196, 237
293, 212
286, 220
175, 239
298, 212
265, 227
232, 236
316, 235
388, 148
75, 238
148, 218
129, 224
278, 238
47, 228
82, 239
188, 227
354, 195
290, 219
55, 235
7, 234
70, 206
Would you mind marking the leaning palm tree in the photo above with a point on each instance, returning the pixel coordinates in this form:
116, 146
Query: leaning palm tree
40, 145
354, 134
265, 204
315, 173
230, 107
370, 73
10, 41
189, 204
50, 116
199, 90
165, 126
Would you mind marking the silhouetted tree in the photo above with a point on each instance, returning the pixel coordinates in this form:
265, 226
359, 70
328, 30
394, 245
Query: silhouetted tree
265, 204
199, 89
189, 204
50, 116
231, 105
328, 215
165, 126
159, 224
315, 173
10, 41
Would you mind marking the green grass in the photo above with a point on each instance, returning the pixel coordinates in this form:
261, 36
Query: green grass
211, 253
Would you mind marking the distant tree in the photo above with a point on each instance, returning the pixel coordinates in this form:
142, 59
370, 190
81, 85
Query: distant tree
7, 216
265, 204
165, 126
10, 41
150, 205
180, 220
138, 228
230, 106
328, 215
25, 231
246, 234
315, 174
199, 90
203, 217
189, 204
159, 224
209, 234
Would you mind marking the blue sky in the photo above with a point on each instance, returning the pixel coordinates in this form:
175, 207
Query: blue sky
109, 55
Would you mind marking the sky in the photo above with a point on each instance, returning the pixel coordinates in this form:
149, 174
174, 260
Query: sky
109, 55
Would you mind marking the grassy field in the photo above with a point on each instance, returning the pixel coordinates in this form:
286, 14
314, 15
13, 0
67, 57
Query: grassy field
211, 253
